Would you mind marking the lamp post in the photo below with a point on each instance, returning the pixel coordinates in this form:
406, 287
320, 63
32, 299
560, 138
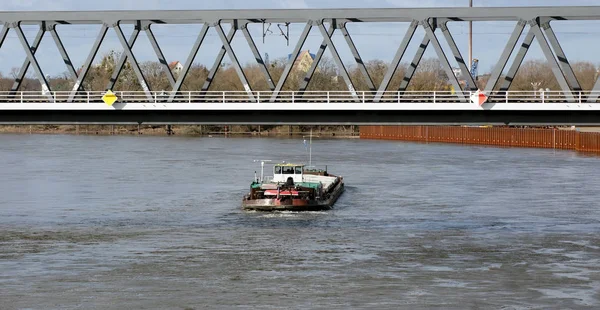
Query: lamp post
470, 38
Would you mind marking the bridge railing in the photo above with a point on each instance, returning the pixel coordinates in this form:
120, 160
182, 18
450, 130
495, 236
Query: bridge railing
293, 97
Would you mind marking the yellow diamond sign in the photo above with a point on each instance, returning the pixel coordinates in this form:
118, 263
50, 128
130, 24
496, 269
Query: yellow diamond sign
109, 98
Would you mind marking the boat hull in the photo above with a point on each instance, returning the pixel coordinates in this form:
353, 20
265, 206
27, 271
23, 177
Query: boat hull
291, 204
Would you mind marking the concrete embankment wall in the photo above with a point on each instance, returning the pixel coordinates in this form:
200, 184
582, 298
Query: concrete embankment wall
518, 137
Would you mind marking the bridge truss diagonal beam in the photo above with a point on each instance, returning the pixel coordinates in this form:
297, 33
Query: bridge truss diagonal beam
36, 66
88, 62
561, 56
189, 61
359, 61
63, 53
385, 83
288, 68
505, 56
217, 64
412, 68
123, 59
234, 61
442, 57
512, 71
133, 61
313, 67
160, 55
338, 60
464, 68
23, 70
259, 60
558, 73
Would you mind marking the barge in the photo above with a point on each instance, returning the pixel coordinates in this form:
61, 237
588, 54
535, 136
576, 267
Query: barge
293, 187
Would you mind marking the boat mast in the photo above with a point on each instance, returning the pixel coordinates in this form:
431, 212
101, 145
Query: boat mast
310, 150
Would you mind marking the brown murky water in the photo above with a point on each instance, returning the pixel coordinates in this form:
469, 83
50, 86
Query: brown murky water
155, 223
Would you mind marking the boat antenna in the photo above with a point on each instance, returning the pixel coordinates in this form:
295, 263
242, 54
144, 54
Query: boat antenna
262, 167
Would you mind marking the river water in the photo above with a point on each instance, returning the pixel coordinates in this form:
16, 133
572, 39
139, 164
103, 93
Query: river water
155, 223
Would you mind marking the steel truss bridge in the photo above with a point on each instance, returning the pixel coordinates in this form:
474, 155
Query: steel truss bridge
379, 104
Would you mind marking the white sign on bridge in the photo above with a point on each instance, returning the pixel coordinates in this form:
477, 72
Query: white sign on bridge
479, 97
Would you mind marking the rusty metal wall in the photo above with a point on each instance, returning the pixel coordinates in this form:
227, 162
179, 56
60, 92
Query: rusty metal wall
498, 136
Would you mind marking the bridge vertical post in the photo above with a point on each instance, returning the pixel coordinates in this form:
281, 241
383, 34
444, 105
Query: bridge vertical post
434, 95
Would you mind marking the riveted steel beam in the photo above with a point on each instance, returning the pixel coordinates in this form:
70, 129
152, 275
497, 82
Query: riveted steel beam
123, 59
258, 57
36, 66
234, 61
410, 32
133, 61
88, 62
359, 61
563, 62
288, 68
219, 59
338, 60
189, 62
313, 67
159, 54
34, 46
505, 56
512, 71
464, 68
558, 73
443, 59
63, 53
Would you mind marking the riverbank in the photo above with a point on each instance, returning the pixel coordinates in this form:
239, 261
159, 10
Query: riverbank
552, 138
182, 130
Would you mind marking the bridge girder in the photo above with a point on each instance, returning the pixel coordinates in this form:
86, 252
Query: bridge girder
431, 20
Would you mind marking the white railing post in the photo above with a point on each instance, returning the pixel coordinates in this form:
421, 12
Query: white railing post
327, 97
223, 97
293, 97
189, 97
543, 97
398, 97
579, 97
506, 96
88, 96
258, 96
363, 97
434, 95
155, 98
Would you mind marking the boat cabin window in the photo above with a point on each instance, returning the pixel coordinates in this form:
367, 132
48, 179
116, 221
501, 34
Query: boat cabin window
298, 170
277, 170
288, 170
